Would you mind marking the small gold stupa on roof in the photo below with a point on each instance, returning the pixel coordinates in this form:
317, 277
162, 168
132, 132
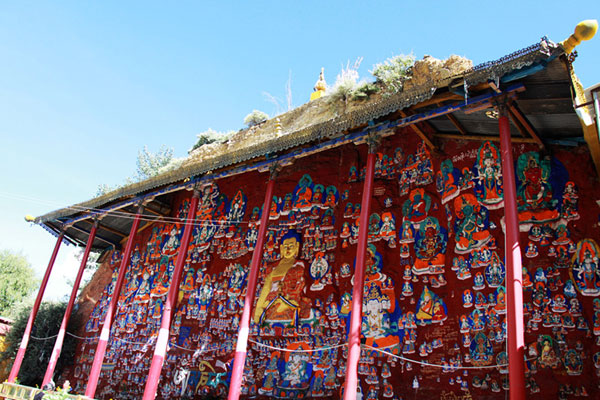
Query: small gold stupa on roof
320, 87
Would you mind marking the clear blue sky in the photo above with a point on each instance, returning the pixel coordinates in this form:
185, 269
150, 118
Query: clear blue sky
85, 85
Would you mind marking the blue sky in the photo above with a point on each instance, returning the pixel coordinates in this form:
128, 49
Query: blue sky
84, 86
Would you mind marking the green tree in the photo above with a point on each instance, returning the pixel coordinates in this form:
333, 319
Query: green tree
17, 280
41, 343
255, 117
149, 164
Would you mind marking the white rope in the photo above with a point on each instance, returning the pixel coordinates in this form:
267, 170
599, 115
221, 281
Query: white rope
450, 367
297, 351
125, 215
43, 338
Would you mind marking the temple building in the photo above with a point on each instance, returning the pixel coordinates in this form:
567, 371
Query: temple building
438, 241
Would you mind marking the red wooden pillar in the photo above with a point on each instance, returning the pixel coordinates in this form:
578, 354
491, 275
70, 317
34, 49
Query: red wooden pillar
514, 274
63, 326
239, 361
90, 390
165, 324
351, 382
36, 306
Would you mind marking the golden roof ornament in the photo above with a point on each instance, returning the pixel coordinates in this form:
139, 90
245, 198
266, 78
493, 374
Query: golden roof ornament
585, 30
278, 128
320, 87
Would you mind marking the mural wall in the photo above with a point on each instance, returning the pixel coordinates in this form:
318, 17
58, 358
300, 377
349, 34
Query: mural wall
434, 308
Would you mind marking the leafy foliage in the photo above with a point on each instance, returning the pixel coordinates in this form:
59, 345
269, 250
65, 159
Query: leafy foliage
37, 355
149, 164
392, 73
255, 117
17, 280
210, 136
345, 83
364, 91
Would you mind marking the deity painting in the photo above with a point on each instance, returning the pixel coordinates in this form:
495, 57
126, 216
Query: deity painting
407, 235
573, 363
295, 370
548, 355
430, 308
430, 247
171, 243
331, 197
481, 350
447, 181
380, 309
353, 174
495, 272
471, 225
585, 270
237, 208
569, 208
303, 194
317, 196
387, 231
534, 192
374, 226
282, 298
318, 269
488, 177
237, 283
467, 298
275, 208
417, 206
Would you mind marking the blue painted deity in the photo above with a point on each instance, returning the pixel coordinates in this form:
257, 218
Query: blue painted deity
495, 272
471, 225
295, 370
237, 208
481, 350
585, 270
417, 206
488, 177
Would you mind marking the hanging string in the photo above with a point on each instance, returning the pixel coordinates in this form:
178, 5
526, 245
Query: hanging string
298, 350
128, 216
449, 367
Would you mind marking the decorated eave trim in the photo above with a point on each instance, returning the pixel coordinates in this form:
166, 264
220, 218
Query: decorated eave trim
513, 66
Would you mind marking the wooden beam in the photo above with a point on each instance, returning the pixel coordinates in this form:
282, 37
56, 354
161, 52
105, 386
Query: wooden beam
420, 132
107, 228
457, 124
517, 124
482, 138
448, 96
526, 124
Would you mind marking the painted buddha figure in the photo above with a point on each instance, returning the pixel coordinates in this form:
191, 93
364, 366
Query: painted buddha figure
282, 296
471, 224
430, 247
488, 176
534, 194
303, 194
586, 268
380, 310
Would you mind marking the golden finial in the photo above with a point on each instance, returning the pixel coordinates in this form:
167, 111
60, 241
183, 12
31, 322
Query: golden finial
320, 86
585, 30
278, 128
29, 218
